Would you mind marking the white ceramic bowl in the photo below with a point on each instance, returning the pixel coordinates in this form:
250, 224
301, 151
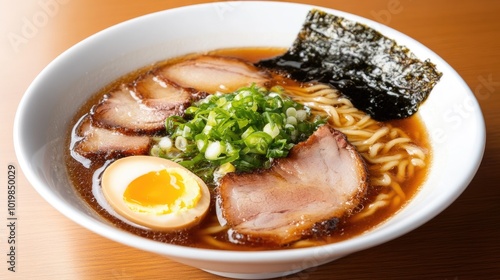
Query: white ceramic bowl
41, 123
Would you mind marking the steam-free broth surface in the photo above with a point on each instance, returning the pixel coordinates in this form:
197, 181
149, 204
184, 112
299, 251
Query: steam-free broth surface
86, 179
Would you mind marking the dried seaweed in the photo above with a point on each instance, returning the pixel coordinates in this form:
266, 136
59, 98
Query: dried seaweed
379, 76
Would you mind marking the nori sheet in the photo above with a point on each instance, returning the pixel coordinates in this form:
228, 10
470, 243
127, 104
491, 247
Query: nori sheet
380, 77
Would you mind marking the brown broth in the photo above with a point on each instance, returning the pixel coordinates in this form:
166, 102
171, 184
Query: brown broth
82, 177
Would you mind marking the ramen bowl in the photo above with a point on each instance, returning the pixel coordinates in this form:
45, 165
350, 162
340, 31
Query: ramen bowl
49, 104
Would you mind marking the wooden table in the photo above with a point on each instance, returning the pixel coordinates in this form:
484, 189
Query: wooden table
463, 242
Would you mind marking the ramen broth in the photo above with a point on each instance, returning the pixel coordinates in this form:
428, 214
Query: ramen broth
86, 181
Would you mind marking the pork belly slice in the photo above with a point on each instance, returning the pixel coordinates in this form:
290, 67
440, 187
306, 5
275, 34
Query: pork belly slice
156, 92
125, 110
322, 179
212, 74
89, 140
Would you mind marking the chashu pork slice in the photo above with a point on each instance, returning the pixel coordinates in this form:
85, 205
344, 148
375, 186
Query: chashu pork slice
142, 106
211, 73
162, 94
322, 179
89, 140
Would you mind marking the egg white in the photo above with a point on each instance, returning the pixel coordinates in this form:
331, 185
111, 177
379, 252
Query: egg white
118, 175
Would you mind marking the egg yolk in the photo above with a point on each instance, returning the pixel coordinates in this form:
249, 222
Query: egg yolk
162, 192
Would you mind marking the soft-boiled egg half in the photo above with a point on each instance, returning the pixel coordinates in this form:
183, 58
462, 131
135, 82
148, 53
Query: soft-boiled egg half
156, 193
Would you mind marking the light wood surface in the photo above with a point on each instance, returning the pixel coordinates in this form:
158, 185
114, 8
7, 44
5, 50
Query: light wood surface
463, 242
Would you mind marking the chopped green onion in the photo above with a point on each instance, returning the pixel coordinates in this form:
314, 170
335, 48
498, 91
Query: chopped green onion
213, 151
165, 143
291, 120
272, 129
258, 142
239, 131
155, 151
291, 112
181, 143
301, 115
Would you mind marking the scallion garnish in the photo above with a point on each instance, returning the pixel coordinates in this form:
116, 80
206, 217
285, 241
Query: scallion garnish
239, 131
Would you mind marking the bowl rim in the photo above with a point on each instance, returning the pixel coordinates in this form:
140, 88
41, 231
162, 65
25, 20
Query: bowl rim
283, 255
